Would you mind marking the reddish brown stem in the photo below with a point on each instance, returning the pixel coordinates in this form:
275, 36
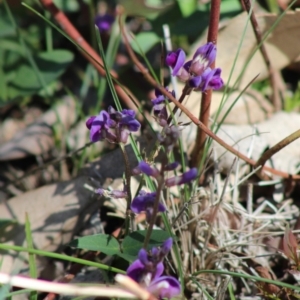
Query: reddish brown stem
89, 53
258, 35
206, 97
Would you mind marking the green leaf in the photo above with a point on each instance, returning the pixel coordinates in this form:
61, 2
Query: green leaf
32, 263
187, 7
134, 241
67, 6
144, 41
25, 80
145, 8
98, 242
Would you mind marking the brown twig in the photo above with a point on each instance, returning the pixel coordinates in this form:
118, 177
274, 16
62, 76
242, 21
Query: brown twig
276, 148
197, 122
206, 97
89, 53
258, 35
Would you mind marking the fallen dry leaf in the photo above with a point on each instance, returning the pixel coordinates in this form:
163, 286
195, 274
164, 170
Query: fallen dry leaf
259, 137
251, 107
55, 212
38, 138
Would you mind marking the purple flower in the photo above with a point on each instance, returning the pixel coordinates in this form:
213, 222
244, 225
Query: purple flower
197, 72
184, 178
147, 270
175, 60
99, 126
125, 121
104, 22
144, 202
172, 166
212, 80
159, 107
146, 169
164, 287
203, 58
113, 125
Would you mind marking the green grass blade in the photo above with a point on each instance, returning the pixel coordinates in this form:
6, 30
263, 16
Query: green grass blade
249, 277
107, 70
32, 262
61, 257
16, 293
231, 292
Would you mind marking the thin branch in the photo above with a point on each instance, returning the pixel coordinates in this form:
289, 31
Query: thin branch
276, 148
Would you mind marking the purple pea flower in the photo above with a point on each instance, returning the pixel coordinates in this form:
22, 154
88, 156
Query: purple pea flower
212, 79
104, 22
147, 270
145, 202
114, 126
99, 127
184, 178
171, 166
145, 168
197, 72
125, 122
159, 107
175, 60
203, 58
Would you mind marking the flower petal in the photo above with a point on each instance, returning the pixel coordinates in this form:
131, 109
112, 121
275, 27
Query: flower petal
175, 60
136, 270
165, 287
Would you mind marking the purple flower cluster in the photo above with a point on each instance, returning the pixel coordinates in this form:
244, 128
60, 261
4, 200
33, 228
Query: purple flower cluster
112, 125
186, 177
197, 72
159, 107
145, 201
147, 270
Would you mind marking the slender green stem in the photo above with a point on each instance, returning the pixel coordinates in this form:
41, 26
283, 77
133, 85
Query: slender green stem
61, 257
127, 174
246, 276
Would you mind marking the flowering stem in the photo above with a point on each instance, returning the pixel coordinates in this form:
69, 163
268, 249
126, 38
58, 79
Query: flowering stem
128, 190
206, 97
127, 174
155, 207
